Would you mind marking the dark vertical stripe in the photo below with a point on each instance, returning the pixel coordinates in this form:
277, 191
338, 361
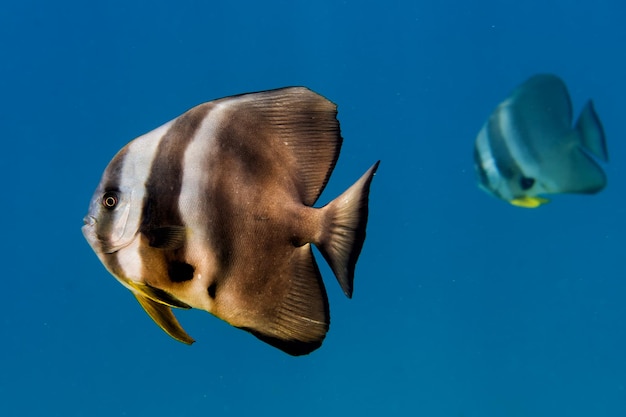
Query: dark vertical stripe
504, 161
480, 169
163, 186
110, 182
114, 170
164, 183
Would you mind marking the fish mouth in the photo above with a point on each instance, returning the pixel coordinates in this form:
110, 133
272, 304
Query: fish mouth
99, 243
88, 229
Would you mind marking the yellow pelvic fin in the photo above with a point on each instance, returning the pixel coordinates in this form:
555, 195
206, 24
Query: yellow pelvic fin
529, 202
156, 294
163, 316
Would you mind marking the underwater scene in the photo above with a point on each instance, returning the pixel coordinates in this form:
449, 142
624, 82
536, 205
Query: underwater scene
292, 208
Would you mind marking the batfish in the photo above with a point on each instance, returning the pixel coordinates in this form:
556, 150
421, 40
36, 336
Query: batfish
528, 147
214, 211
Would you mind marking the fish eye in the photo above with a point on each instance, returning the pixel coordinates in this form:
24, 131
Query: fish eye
110, 200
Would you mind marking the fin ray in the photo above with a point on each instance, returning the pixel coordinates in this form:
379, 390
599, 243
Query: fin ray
342, 242
165, 318
301, 123
299, 322
157, 295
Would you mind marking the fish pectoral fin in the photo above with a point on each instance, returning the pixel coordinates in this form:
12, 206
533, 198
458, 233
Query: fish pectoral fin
164, 317
341, 244
166, 237
298, 321
529, 202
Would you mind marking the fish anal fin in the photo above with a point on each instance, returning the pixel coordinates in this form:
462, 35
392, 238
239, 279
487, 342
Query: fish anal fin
345, 219
584, 176
164, 317
297, 323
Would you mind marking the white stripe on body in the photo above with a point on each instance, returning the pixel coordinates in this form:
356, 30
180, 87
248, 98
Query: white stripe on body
135, 172
196, 182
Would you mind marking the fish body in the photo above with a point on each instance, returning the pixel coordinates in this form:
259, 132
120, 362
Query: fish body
528, 147
214, 211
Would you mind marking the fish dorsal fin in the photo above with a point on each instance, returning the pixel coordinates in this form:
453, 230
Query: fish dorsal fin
537, 116
298, 322
544, 101
301, 130
164, 317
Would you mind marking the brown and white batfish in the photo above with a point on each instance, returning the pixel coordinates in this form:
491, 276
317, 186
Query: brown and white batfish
214, 211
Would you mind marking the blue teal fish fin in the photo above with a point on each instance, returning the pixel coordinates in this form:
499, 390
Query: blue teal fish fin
579, 170
591, 132
581, 175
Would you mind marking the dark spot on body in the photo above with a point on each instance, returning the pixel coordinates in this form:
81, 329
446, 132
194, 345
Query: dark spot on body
211, 290
526, 183
180, 271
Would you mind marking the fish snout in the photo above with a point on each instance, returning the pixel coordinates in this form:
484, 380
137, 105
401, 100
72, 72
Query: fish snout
89, 228
89, 221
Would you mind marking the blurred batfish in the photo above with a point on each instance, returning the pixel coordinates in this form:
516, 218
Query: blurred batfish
528, 147
213, 210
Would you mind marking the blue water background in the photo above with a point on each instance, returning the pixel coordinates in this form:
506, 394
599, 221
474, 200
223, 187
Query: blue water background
464, 306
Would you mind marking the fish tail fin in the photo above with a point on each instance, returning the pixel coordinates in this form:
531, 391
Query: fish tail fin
344, 232
591, 132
